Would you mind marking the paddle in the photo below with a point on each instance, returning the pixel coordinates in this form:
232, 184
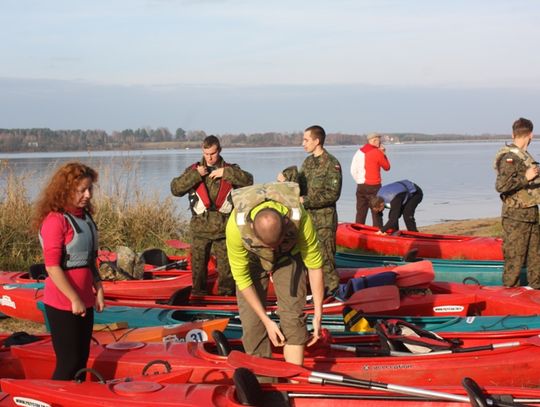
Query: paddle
175, 264
414, 274
532, 340
178, 244
281, 369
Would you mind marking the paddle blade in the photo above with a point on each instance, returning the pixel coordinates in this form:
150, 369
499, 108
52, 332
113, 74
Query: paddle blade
533, 340
375, 299
178, 244
414, 274
265, 367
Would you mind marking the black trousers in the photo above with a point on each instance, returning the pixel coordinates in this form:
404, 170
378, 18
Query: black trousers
364, 193
410, 207
71, 335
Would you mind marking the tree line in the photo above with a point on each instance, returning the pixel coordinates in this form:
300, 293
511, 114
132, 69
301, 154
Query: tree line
44, 139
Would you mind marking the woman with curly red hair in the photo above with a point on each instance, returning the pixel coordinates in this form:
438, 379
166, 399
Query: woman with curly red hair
68, 236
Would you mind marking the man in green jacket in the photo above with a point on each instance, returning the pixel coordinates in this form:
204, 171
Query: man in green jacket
270, 236
208, 184
320, 187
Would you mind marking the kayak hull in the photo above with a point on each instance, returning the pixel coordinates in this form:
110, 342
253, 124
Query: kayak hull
515, 366
486, 272
358, 236
143, 392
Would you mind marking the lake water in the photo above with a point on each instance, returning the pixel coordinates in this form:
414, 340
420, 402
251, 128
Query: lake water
457, 178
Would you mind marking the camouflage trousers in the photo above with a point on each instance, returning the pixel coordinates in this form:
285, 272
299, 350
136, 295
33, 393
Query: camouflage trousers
327, 243
521, 247
200, 255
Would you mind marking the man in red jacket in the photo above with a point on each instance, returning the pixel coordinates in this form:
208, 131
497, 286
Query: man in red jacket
366, 171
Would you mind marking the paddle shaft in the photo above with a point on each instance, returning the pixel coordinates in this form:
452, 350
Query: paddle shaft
533, 340
168, 266
346, 396
276, 368
330, 378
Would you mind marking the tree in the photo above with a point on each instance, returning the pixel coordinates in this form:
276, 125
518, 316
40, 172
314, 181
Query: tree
180, 134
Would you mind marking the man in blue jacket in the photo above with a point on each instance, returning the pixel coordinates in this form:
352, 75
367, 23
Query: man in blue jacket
402, 198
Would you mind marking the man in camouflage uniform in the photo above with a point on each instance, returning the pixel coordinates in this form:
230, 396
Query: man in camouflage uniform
320, 187
209, 184
518, 184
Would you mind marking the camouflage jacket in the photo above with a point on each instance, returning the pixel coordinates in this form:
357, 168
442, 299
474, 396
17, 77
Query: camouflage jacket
320, 186
519, 202
211, 223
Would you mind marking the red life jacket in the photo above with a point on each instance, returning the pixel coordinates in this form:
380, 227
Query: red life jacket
201, 195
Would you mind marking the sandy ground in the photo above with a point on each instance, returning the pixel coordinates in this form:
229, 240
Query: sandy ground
473, 227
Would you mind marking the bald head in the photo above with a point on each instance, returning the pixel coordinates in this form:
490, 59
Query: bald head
268, 226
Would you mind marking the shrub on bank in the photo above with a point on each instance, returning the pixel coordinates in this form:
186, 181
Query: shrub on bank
125, 215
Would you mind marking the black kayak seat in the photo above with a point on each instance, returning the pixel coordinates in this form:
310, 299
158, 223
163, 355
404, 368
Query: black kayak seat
155, 257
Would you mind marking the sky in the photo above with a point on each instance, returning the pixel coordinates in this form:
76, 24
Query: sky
233, 66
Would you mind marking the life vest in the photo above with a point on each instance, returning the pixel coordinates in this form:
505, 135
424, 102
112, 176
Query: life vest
389, 191
248, 198
199, 199
527, 197
82, 250
347, 289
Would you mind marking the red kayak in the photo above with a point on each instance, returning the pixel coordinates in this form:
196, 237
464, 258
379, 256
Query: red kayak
399, 243
510, 363
158, 284
10, 365
170, 389
433, 299
155, 289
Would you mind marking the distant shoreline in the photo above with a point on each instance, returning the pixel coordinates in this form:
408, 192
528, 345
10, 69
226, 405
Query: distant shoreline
46, 140
170, 146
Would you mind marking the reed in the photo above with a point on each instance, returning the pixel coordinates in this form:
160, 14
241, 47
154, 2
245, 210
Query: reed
125, 215
18, 245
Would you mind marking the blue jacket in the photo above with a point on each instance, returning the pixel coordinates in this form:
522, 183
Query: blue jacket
389, 191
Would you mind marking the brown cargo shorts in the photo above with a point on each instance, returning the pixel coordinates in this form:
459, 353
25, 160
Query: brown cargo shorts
292, 320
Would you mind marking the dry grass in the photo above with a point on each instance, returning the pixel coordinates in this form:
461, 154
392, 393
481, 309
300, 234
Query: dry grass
18, 245
125, 215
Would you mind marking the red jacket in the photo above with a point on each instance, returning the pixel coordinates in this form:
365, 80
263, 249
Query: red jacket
367, 163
